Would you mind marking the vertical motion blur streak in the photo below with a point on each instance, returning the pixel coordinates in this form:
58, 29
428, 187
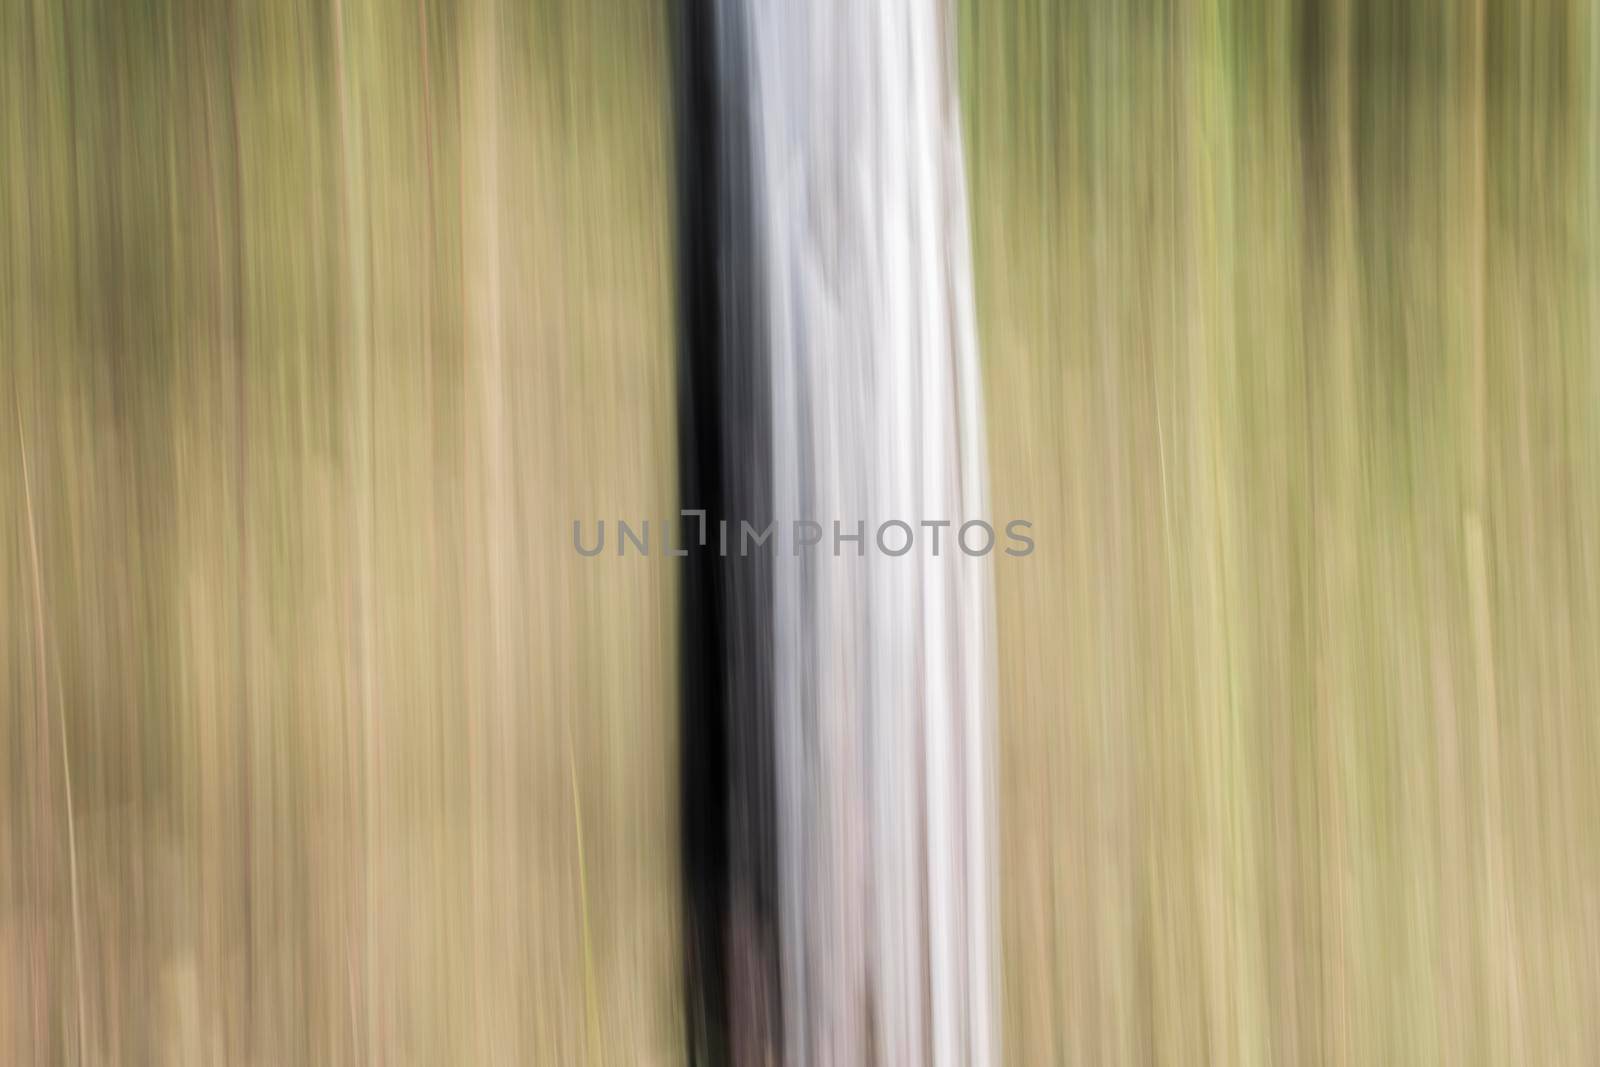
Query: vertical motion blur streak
728, 786
320, 323
1290, 336
831, 375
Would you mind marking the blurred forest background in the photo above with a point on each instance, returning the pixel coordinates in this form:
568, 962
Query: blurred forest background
1290, 316
322, 321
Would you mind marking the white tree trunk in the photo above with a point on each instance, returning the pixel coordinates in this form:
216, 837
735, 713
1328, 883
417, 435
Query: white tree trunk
882, 667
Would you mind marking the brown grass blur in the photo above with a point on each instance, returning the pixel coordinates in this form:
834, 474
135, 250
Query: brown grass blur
321, 323
1290, 320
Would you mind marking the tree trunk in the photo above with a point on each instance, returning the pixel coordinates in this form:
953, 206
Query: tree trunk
831, 366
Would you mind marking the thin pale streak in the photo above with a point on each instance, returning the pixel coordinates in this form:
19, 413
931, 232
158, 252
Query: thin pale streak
61, 720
